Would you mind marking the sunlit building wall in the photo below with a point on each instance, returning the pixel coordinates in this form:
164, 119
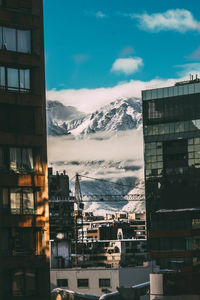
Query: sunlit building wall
24, 216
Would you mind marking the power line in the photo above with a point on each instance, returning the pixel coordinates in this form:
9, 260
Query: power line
112, 182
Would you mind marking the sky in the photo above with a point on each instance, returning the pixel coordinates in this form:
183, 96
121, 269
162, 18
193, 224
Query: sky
95, 47
99, 50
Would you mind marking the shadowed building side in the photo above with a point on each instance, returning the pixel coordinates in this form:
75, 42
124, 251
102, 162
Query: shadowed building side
24, 212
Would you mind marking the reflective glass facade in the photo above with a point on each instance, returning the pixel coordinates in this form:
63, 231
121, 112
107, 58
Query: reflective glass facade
172, 150
171, 125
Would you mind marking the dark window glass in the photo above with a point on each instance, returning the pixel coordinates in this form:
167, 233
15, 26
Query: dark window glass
172, 109
15, 40
82, 282
21, 160
22, 120
15, 79
104, 282
62, 282
24, 282
18, 288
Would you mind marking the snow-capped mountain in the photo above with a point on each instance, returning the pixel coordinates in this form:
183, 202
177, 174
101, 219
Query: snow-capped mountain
81, 132
122, 114
57, 113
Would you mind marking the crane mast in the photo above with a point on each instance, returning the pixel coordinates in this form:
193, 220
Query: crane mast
78, 217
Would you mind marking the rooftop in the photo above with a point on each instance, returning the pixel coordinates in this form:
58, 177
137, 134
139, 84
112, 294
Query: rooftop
179, 89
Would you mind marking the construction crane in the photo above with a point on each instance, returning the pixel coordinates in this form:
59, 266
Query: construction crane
78, 217
79, 201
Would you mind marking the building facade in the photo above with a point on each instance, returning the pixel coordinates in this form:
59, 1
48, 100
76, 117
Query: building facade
99, 281
171, 119
61, 219
24, 213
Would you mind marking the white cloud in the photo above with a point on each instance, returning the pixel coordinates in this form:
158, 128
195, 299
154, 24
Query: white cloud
126, 51
187, 69
127, 66
122, 146
180, 20
89, 100
100, 14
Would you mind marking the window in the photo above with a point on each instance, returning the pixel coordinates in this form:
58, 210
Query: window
15, 40
15, 79
21, 241
104, 282
82, 282
22, 201
21, 160
62, 282
23, 282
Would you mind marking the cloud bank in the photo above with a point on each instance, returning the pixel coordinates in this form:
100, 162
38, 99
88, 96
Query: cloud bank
89, 100
180, 20
127, 66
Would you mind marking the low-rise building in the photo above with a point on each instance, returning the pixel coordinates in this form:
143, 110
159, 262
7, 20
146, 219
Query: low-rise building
98, 281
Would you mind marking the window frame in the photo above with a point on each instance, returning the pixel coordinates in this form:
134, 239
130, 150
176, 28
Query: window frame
6, 87
102, 282
21, 210
79, 280
17, 30
25, 291
61, 281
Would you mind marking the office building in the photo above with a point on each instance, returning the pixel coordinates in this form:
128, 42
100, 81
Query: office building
24, 214
171, 119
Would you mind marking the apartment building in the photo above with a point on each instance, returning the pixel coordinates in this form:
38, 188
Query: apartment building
24, 213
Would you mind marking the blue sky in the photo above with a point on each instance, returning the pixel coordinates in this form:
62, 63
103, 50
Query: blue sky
91, 44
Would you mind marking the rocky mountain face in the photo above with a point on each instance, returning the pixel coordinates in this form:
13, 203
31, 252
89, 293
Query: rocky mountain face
118, 117
122, 114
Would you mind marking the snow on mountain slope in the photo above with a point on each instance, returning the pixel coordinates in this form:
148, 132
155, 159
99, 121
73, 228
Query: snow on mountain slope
122, 114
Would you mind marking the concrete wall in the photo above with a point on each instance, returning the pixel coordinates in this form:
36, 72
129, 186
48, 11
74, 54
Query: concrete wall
126, 277
133, 276
93, 275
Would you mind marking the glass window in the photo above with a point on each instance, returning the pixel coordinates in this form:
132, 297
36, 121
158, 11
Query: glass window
28, 200
24, 79
15, 40
83, 282
23, 282
22, 201
191, 88
21, 160
1, 37
185, 90
30, 282
13, 79
2, 76
104, 282
15, 201
24, 41
62, 282
9, 39
197, 87
18, 288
